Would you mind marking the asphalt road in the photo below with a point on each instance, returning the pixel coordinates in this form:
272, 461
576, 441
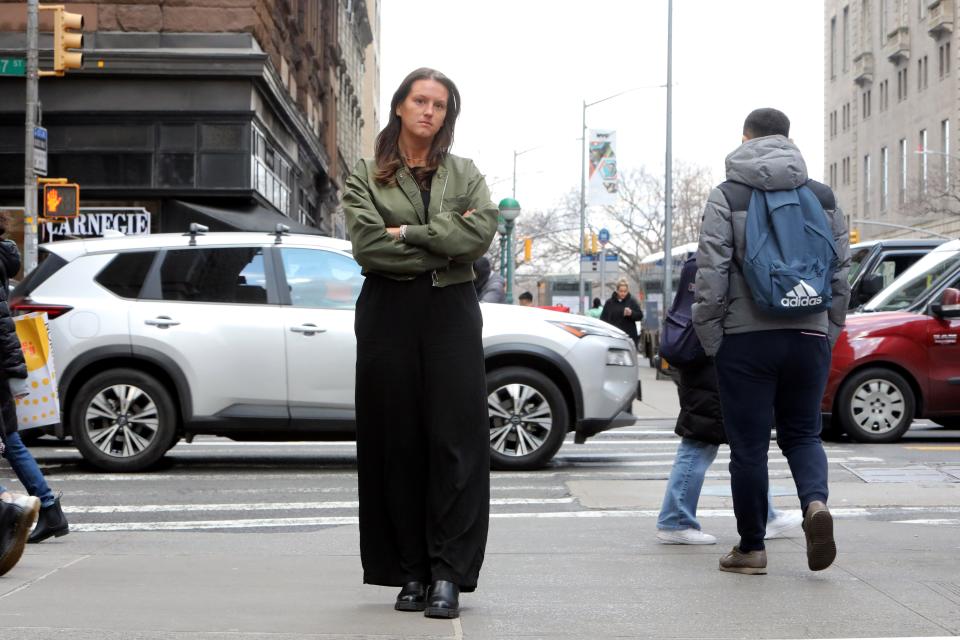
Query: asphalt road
217, 484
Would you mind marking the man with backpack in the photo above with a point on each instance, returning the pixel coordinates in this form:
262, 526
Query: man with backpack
771, 299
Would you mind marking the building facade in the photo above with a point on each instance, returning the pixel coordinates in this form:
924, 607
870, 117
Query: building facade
238, 114
892, 112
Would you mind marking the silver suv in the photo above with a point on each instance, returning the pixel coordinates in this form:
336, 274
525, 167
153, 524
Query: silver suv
250, 336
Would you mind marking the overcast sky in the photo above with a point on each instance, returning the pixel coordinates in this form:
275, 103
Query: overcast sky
524, 67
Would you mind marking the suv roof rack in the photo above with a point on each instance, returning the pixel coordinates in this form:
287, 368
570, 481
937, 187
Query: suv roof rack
196, 229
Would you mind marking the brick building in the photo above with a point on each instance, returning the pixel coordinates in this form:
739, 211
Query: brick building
234, 113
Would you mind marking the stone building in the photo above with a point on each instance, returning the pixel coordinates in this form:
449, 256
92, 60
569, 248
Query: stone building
234, 113
892, 111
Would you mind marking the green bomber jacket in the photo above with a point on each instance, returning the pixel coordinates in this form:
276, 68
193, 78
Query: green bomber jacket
440, 241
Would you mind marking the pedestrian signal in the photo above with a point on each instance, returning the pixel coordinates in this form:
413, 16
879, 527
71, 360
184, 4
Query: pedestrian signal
61, 200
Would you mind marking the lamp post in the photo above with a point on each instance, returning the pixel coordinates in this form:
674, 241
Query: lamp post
509, 212
583, 176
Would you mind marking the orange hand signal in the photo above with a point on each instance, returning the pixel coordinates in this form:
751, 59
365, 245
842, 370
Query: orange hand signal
53, 200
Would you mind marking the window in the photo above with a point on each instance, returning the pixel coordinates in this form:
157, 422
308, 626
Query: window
270, 172
125, 274
865, 42
846, 39
867, 103
945, 144
922, 9
846, 170
321, 279
833, 48
223, 275
903, 170
923, 161
833, 175
884, 171
866, 182
902, 85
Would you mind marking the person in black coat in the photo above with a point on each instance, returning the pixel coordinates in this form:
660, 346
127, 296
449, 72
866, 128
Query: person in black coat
13, 368
623, 311
700, 425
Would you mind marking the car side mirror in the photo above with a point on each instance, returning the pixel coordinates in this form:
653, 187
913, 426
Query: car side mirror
949, 304
870, 286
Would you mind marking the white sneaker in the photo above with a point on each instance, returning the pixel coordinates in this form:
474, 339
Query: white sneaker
685, 536
784, 521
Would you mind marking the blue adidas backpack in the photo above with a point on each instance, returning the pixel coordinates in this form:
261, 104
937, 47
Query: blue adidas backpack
790, 255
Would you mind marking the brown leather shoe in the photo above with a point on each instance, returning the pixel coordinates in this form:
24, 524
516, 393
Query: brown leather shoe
818, 528
751, 562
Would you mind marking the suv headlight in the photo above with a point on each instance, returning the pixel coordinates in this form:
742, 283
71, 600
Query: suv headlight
581, 330
620, 358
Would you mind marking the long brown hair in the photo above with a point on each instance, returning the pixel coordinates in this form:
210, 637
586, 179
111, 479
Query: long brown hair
387, 147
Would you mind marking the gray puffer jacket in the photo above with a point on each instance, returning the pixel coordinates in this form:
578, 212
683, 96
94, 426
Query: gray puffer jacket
723, 302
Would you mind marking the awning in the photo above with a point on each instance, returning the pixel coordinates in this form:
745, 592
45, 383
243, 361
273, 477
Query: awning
178, 214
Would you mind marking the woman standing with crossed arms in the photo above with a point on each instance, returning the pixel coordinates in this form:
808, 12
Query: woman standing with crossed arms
418, 217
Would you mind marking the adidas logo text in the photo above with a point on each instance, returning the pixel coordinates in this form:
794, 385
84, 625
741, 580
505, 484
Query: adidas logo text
802, 295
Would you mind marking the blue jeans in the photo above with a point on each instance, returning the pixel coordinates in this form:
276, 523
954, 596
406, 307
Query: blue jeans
679, 510
27, 470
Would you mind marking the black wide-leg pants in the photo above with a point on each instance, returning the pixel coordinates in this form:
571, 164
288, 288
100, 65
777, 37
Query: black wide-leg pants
423, 448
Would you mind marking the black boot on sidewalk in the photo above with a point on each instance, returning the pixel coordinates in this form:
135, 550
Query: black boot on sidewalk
15, 522
52, 522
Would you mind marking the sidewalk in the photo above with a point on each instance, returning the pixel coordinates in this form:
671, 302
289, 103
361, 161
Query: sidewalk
660, 400
572, 578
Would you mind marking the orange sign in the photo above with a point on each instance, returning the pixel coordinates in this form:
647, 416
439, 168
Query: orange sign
61, 200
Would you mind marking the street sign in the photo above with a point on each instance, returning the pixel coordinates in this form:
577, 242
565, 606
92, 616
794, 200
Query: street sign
13, 67
40, 151
61, 200
604, 236
590, 265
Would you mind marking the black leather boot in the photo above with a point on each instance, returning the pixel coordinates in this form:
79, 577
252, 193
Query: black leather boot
412, 597
443, 600
52, 522
15, 522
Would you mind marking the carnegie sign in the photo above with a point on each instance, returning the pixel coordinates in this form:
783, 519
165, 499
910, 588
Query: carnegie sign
94, 222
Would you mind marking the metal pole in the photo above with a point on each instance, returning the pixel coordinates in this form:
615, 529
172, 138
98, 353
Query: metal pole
583, 200
29, 179
510, 262
668, 179
514, 196
603, 272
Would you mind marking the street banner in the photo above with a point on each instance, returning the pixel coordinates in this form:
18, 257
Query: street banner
603, 167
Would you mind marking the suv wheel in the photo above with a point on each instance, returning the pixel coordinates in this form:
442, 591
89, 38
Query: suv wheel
875, 405
123, 420
528, 418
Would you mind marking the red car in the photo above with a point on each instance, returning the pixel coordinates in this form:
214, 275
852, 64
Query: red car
900, 358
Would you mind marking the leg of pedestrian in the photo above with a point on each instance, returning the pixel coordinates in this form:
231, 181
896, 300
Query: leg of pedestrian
798, 435
677, 523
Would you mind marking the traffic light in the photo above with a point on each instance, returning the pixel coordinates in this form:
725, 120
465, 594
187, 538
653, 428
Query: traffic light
854, 236
65, 40
61, 200
527, 249
594, 248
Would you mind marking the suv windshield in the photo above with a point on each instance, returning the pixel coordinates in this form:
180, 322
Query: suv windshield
857, 256
924, 275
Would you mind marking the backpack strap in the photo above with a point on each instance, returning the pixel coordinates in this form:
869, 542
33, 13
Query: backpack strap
737, 194
824, 194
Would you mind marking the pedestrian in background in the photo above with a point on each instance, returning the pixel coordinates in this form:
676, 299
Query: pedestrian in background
525, 299
700, 427
418, 218
769, 365
622, 311
488, 283
52, 521
596, 310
